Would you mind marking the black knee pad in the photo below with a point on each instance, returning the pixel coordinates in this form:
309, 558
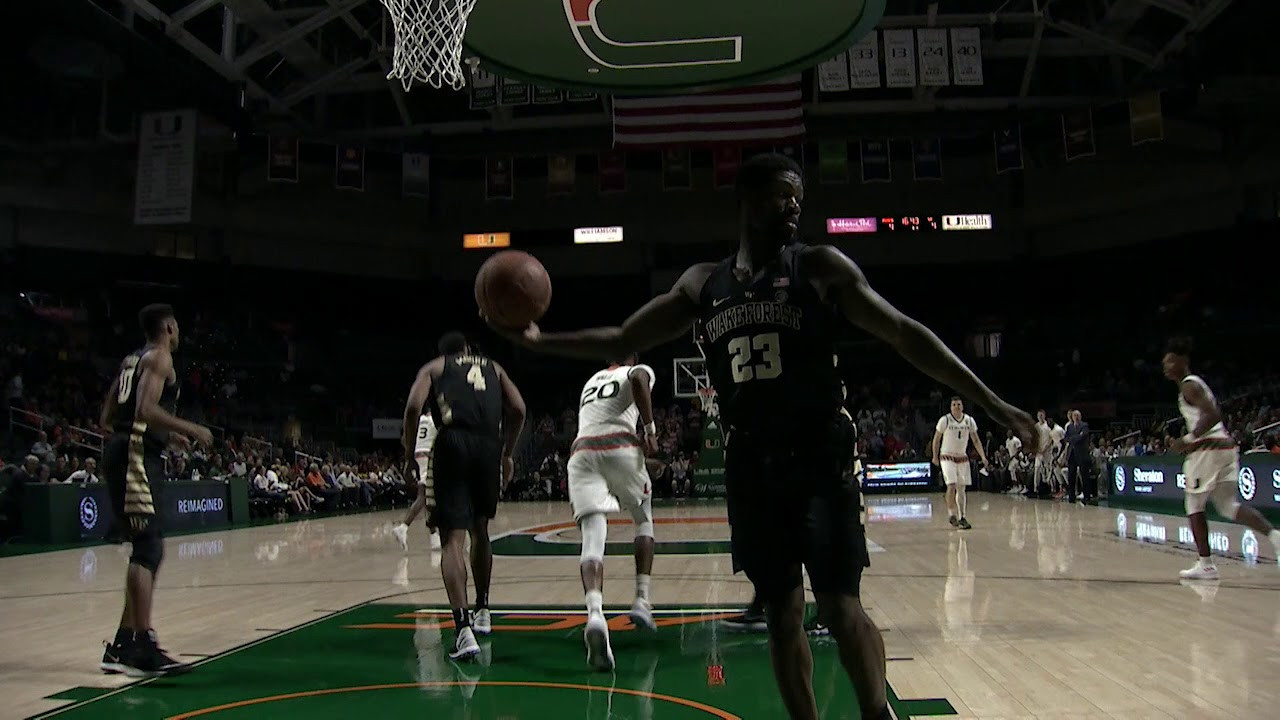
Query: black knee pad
148, 551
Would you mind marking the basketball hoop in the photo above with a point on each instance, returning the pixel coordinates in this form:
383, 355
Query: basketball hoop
429, 41
707, 397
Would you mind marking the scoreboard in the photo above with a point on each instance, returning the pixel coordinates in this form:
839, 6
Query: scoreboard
910, 223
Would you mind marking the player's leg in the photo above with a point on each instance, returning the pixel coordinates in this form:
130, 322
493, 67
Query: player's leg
642, 607
591, 501
486, 474
113, 474
837, 554
949, 479
454, 515
963, 480
1227, 502
789, 649
401, 529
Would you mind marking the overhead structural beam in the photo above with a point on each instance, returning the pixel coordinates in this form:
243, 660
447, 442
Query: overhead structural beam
397, 93
1181, 8
314, 86
1207, 14
206, 55
1102, 41
193, 9
1029, 69
295, 33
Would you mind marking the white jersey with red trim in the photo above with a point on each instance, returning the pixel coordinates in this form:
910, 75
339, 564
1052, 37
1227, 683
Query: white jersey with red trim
426, 436
1191, 413
955, 433
606, 405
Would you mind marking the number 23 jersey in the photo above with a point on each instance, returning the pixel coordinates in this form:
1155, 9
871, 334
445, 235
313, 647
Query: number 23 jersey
769, 348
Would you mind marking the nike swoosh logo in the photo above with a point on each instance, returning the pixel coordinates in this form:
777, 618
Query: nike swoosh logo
718, 303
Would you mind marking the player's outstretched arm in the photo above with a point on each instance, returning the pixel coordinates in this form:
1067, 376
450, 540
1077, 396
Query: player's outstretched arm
660, 320
841, 281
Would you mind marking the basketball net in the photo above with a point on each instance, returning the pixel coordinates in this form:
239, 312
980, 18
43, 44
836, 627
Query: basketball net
429, 41
707, 395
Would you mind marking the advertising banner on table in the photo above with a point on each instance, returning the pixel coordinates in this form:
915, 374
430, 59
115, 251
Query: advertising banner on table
1160, 477
888, 477
388, 428
182, 505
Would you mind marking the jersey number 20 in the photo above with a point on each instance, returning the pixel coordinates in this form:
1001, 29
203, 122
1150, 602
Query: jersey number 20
744, 349
600, 392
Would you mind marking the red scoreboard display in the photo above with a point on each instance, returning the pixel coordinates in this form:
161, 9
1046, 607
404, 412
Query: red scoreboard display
909, 223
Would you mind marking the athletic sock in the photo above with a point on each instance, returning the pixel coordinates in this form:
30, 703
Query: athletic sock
642, 586
482, 600
1206, 562
461, 619
595, 603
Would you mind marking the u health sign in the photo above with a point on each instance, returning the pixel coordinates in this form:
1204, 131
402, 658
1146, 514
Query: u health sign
1160, 477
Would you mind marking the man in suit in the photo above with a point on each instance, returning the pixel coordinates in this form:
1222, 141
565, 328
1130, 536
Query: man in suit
1079, 459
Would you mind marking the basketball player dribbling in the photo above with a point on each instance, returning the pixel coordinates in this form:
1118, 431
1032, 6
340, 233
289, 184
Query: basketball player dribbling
951, 452
479, 412
426, 438
139, 410
769, 312
1211, 462
606, 474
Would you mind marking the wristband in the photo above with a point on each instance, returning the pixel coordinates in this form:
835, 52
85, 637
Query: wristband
651, 429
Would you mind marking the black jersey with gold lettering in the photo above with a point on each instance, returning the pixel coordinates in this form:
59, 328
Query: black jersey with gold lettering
467, 394
769, 348
123, 420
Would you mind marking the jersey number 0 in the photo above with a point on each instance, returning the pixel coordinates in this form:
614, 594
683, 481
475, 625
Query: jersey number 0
126, 379
743, 349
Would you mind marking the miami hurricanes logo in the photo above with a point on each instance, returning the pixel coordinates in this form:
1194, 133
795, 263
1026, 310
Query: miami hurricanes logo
646, 54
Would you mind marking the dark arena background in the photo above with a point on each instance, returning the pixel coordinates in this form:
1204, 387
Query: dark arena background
1054, 187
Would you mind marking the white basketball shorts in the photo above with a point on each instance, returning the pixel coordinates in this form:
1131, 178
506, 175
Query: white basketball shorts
606, 481
1212, 475
956, 473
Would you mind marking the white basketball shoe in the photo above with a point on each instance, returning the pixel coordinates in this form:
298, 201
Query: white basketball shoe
596, 636
401, 531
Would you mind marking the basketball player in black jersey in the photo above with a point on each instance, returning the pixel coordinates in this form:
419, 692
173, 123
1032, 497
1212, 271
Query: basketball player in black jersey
479, 413
139, 410
769, 311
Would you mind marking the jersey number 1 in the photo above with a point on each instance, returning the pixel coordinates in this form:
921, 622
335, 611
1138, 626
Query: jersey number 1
743, 351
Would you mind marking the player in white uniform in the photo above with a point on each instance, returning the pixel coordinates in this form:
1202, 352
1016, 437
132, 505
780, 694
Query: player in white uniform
951, 453
1211, 462
1045, 471
422, 455
606, 474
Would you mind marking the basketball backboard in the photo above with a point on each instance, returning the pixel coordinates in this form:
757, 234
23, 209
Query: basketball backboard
688, 374
657, 46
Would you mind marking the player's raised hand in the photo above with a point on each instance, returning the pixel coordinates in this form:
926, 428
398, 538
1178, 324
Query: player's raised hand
519, 336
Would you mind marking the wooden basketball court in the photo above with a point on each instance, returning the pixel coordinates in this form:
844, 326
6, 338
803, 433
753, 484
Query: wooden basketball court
1043, 610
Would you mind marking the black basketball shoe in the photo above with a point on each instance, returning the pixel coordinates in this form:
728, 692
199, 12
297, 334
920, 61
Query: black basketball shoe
146, 659
111, 658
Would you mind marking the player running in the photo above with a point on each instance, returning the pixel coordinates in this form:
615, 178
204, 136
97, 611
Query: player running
422, 457
951, 452
607, 473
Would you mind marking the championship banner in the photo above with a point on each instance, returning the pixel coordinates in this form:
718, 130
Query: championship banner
514, 92
864, 62
726, 159
484, 90
900, 58
677, 173
833, 161
1008, 149
547, 96
1077, 134
1146, 119
966, 55
388, 428
282, 159
935, 69
877, 163
927, 158
499, 184
415, 175
581, 96
348, 167
613, 171
166, 168
562, 173
833, 74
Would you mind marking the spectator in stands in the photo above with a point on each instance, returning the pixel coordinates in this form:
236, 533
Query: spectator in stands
41, 447
85, 474
682, 483
15, 390
60, 471
317, 485
29, 472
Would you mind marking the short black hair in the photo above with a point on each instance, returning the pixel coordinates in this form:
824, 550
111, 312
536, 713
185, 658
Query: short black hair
760, 170
151, 318
452, 343
1179, 345
956, 397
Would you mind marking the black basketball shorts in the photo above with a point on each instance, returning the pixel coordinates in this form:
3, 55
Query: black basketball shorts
133, 470
467, 468
794, 503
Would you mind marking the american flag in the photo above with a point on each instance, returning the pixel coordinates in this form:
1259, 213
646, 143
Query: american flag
770, 112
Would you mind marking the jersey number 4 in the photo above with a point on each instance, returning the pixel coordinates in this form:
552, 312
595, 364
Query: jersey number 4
475, 376
743, 350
